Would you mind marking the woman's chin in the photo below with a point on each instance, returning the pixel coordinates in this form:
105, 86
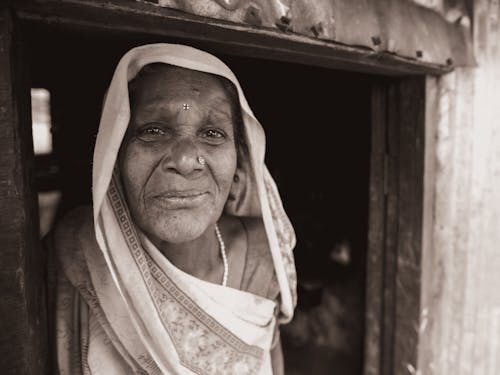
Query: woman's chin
178, 230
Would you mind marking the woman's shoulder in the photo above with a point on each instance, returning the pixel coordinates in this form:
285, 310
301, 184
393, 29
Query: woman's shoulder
259, 276
258, 244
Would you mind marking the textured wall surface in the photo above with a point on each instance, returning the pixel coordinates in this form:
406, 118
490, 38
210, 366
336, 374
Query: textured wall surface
428, 30
460, 319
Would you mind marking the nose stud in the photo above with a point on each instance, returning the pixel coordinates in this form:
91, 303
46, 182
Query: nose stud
201, 160
186, 106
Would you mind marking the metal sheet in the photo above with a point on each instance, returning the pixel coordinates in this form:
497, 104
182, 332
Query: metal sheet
433, 31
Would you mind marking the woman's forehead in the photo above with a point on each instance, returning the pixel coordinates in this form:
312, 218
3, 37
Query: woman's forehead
169, 83
170, 91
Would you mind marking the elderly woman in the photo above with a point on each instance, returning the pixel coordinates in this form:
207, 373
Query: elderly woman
184, 263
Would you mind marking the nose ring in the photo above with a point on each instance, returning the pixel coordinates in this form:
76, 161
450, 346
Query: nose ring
201, 160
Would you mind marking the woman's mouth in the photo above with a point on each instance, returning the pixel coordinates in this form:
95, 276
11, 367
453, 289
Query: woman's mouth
180, 199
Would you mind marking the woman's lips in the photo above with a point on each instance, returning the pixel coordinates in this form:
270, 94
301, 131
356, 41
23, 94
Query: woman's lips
172, 200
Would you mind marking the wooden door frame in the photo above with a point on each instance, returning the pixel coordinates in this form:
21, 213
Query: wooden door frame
396, 176
395, 227
23, 340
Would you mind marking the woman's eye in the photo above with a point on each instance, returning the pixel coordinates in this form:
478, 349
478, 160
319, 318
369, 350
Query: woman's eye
153, 131
213, 134
150, 133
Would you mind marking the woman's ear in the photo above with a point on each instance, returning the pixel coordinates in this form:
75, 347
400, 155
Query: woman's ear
243, 199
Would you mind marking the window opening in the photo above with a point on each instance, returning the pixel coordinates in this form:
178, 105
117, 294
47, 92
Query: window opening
40, 114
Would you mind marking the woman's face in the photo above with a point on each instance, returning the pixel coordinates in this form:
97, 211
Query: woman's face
177, 116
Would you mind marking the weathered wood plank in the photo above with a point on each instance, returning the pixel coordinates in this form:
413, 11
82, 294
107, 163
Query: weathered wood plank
460, 332
222, 36
22, 342
411, 97
375, 254
392, 166
393, 268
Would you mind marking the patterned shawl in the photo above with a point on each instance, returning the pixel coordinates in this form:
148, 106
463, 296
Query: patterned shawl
122, 307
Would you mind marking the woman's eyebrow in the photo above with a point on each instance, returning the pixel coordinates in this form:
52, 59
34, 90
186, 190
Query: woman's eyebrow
155, 105
217, 113
221, 106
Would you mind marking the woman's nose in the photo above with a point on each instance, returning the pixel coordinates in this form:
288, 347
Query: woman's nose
183, 158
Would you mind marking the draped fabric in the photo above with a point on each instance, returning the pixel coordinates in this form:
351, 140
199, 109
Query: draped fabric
121, 307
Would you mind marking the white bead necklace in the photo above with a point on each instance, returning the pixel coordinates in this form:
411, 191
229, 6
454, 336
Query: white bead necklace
223, 254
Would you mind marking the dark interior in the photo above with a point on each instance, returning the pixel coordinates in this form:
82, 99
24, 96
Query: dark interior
317, 123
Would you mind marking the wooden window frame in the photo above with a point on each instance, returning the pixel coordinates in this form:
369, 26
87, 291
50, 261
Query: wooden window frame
396, 170
395, 227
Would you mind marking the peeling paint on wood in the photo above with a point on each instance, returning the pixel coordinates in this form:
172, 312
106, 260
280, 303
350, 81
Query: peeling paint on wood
434, 31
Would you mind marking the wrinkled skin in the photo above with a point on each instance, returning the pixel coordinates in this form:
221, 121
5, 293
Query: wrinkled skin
178, 115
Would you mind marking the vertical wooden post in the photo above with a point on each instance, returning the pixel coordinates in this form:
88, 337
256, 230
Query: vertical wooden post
411, 124
375, 255
396, 193
22, 324
390, 254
